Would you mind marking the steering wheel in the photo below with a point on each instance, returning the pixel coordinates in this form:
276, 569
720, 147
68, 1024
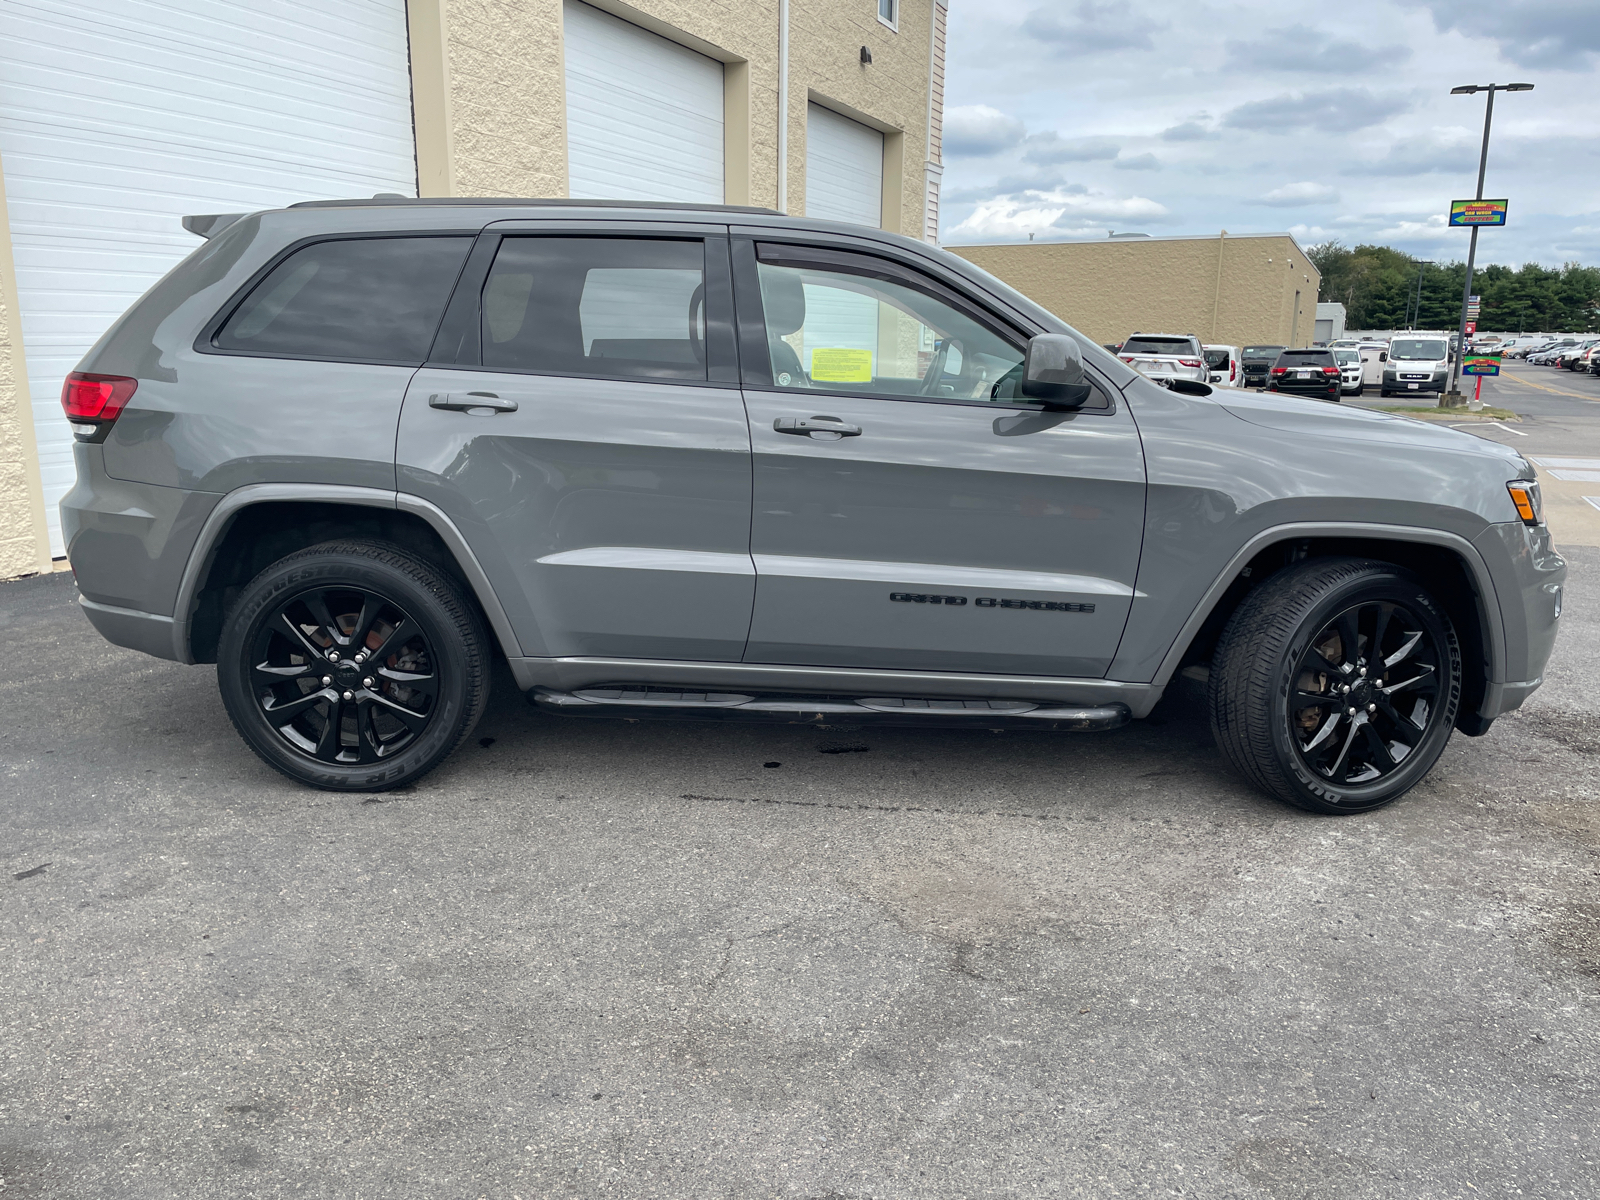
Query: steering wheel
696, 342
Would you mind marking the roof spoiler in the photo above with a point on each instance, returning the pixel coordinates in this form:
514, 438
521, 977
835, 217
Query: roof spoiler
208, 225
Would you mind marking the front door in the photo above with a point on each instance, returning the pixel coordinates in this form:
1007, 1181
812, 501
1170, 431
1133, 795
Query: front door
910, 511
581, 426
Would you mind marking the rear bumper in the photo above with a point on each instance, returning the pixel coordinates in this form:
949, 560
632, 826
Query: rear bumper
128, 627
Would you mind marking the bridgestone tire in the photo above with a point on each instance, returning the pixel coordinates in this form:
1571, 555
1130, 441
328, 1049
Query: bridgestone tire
437, 609
1260, 654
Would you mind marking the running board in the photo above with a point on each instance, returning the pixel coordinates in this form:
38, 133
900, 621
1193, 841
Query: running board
671, 704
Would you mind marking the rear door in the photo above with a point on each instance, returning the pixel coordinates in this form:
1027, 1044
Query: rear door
581, 424
909, 511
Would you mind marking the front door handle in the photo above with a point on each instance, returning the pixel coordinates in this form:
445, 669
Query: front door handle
830, 429
486, 402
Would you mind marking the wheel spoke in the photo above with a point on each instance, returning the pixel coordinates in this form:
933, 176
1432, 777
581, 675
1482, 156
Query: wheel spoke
1323, 734
1337, 771
281, 713
371, 606
1315, 661
1405, 729
276, 675
1381, 628
318, 604
1406, 648
412, 719
1304, 699
328, 745
1426, 680
1378, 747
289, 629
366, 734
1349, 636
402, 632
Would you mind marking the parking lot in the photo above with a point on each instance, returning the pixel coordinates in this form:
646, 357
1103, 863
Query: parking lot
661, 959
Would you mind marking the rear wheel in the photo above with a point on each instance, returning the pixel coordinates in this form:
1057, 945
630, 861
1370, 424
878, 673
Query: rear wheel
352, 666
1335, 685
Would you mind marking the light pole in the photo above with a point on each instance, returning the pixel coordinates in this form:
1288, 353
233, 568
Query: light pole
1411, 321
1469, 89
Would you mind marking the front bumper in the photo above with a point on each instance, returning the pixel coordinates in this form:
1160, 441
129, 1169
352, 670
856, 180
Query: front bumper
1415, 381
1529, 578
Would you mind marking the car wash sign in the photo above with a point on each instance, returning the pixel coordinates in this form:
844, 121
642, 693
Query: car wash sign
1481, 364
1464, 213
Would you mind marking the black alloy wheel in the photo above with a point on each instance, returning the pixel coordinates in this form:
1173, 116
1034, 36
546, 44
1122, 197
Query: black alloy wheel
344, 675
1366, 690
353, 666
1335, 684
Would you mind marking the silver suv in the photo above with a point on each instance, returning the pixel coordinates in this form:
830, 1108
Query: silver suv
718, 462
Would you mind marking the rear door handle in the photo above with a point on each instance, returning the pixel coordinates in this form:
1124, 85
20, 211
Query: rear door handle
831, 429
488, 402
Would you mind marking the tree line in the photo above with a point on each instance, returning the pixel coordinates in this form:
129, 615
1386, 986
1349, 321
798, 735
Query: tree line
1379, 287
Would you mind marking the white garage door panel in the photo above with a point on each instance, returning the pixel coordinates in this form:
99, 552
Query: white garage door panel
644, 115
118, 117
844, 168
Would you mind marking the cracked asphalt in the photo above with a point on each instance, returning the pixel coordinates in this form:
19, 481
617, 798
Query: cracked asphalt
676, 960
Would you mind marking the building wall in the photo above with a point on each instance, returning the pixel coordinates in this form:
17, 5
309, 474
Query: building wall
490, 91
1226, 290
24, 540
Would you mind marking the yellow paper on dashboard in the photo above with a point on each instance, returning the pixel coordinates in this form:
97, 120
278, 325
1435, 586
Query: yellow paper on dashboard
838, 365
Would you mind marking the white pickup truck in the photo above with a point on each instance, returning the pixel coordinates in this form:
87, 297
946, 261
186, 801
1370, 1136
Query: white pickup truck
1165, 356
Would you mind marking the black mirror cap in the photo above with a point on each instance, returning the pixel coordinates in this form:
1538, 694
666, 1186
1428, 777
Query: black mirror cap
1189, 387
1052, 372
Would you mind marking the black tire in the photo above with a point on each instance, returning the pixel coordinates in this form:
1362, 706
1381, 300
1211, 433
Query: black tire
1286, 642
387, 724
1384, 393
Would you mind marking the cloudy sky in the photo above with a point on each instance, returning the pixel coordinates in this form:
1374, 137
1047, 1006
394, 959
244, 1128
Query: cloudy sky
1330, 120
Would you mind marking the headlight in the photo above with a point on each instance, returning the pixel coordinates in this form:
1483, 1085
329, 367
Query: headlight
1530, 505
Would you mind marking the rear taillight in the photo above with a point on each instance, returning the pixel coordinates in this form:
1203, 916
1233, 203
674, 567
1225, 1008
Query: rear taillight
1126, 357
1330, 370
1279, 370
92, 401
1189, 362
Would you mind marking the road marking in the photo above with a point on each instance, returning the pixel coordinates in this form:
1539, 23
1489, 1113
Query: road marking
1594, 500
1577, 464
1576, 476
1551, 390
1496, 424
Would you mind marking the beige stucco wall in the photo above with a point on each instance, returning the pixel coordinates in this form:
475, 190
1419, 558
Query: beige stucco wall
1226, 290
24, 539
490, 105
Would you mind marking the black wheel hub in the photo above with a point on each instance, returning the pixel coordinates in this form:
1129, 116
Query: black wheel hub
344, 675
1365, 693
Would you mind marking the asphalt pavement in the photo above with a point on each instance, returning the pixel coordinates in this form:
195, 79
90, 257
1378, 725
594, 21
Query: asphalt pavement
675, 960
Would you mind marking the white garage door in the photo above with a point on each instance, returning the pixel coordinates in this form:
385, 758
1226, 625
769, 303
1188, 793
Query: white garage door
644, 115
118, 117
844, 168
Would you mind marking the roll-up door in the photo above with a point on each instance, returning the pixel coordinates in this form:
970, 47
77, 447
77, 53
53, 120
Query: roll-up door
844, 168
118, 117
644, 115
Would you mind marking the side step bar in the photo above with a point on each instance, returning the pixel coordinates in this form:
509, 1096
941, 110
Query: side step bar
666, 703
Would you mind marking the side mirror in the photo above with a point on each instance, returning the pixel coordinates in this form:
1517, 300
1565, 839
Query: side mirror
1052, 373
1383, 356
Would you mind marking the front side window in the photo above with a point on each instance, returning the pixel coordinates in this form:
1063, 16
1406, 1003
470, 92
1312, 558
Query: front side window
355, 299
619, 308
835, 329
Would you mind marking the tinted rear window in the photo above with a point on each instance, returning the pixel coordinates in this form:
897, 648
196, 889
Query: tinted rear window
355, 299
1306, 358
1158, 345
1216, 359
619, 308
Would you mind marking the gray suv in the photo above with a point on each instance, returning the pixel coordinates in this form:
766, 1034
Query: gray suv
718, 462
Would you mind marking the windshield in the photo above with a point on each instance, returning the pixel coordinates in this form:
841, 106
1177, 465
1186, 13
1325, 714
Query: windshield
1262, 351
1418, 349
1346, 357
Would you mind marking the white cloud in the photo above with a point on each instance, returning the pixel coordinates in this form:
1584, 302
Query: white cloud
976, 130
1296, 195
1138, 162
1059, 213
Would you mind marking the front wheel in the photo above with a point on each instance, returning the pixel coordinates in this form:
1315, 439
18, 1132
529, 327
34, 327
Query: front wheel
1335, 685
353, 666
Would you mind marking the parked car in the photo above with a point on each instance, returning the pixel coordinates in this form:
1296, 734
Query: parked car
662, 461
1591, 360
1225, 365
1418, 362
1166, 356
1309, 372
1258, 362
1348, 360
1548, 353
1568, 358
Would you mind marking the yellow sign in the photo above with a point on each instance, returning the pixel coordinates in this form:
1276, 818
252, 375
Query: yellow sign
838, 365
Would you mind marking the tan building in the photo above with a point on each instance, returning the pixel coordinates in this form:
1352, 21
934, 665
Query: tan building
826, 108
1259, 289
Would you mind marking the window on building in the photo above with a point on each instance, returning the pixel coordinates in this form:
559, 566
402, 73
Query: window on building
889, 12
612, 307
355, 299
